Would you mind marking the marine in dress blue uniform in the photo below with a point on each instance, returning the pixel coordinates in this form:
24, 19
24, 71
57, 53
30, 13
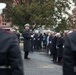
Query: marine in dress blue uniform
69, 55
10, 54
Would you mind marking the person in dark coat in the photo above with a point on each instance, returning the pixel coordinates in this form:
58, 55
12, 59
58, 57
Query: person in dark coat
18, 36
69, 54
39, 41
35, 40
32, 41
59, 47
49, 43
54, 50
65, 34
44, 40
10, 55
27, 42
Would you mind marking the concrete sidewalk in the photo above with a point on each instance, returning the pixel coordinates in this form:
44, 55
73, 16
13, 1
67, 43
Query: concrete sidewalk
40, 64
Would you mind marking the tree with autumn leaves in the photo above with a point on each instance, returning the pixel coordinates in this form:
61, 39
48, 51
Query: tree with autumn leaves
50, 13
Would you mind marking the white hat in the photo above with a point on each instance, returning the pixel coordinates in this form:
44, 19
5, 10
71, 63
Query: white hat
57, 34
70, 32
2, 6
66, 31
26, 25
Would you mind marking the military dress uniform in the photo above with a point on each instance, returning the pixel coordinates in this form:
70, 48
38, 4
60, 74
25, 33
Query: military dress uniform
27, 42
10, 55
69, 55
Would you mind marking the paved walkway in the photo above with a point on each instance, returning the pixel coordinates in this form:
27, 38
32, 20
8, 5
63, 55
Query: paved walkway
41, 64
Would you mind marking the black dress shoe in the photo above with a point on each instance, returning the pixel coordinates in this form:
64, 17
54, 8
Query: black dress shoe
26, 58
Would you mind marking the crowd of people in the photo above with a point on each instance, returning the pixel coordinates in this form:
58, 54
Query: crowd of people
61, 46
52, 42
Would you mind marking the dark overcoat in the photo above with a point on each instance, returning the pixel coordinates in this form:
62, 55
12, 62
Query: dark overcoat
50, 42
44, 40
39, 40
27, 42
32, 42
54, 41
69, 55
10, 54
60, 47
35, 40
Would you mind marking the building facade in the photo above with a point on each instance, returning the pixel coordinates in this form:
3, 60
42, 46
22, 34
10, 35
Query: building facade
4, 23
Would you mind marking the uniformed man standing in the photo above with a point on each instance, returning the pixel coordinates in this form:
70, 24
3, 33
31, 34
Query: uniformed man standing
69, 55
27, 42
10, 54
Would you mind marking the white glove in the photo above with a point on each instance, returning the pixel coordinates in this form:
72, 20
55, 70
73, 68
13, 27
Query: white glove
50, 42
32, 36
